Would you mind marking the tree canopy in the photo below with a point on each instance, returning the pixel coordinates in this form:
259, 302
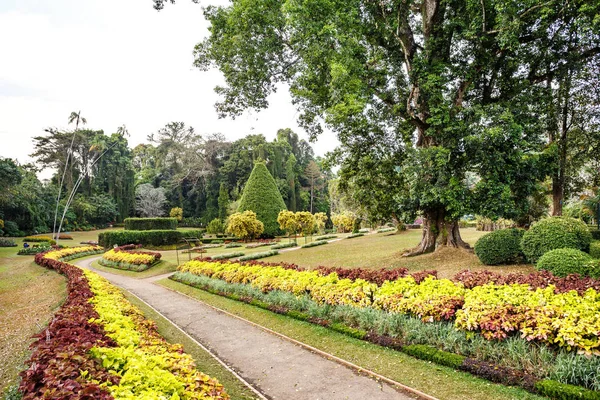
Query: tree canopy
452, 91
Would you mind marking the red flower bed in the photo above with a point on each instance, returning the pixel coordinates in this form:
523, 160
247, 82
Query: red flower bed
60, 353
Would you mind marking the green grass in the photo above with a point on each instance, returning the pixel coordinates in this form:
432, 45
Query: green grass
204, 362
385, 251
29, 296
441, 382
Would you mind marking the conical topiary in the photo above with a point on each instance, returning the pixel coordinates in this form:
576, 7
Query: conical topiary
262, 196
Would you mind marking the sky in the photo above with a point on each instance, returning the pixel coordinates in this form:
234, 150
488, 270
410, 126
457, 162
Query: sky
119, 63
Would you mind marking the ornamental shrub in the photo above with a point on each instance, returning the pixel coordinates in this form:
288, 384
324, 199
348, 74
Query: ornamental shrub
215, 226
147, 224
153, 238
7, 242
562, 262
595, 249
262, 196
500, 247
555, 233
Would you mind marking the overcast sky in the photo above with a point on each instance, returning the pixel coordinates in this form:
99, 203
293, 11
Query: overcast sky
119, 62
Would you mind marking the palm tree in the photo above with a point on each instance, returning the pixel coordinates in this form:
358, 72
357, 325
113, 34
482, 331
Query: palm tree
77, 118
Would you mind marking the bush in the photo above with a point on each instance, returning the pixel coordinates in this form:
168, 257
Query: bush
284, 245
12, 229
562, 262
355, 235
7, 242
148, 224
432, 354
227, 255
313, 244
595, 233
327, 237
232, 245
29, 251
555, 233
500, 247
256, 256
262, 196
595, 249
152, 237
215, 226
562, 391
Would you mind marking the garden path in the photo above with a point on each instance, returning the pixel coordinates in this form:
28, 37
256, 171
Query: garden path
276, 367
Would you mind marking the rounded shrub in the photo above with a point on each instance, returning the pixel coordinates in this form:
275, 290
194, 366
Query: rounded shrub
595, 249
555, 233
262, 196
562, 262
500, 247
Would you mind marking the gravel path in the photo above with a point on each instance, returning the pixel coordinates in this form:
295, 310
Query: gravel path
277, 368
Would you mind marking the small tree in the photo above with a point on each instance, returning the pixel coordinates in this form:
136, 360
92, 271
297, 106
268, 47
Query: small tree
288, 222
244, 225
320, 221
343, 222
306, 221
215, 226
223, 201
150, 201
262, 196
176, 212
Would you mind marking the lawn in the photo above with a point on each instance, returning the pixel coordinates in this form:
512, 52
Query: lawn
384, 250
29, 296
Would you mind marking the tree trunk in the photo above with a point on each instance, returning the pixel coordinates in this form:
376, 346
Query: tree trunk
557, 196
437, 232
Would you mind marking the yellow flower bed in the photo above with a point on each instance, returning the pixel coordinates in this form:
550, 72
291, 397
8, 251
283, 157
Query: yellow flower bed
71, 251
567, 319
128, 257
149, 367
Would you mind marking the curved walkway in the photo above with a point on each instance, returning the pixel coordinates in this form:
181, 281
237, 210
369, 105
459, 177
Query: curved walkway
277, 368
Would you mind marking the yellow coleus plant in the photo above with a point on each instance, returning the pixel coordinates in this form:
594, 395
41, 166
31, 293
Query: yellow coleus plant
149, 367
129, 258
70, 251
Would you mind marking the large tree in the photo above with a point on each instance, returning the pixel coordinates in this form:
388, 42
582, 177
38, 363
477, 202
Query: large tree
456, 84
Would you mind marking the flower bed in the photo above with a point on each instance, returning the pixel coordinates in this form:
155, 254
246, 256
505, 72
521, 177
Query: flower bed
125, 258
100, 346
543, 311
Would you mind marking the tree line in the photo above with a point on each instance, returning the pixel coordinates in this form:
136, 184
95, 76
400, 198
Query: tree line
203, 175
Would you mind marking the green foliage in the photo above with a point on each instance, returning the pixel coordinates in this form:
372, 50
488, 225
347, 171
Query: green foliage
148, 237
262, 196
430, 353
215, 226
595, 249
562, 262
555, 233
256, 256
232, 245
561, 391
315, 243
595, 234
35, 249
7, 242
284, 245
355, 235
227, 255
327, 237
223, 201
147, 224
500, 247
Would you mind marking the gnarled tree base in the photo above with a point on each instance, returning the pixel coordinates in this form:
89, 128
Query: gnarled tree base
437, 232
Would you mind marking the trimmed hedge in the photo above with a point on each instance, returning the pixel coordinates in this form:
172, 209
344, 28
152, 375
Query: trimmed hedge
227, 255
595, 249
355, 235
500, 247
555, 233
562, 262
313, 244
154, 238
262, 196
430, 353
562, 391
256, 256
150, 224
284, 245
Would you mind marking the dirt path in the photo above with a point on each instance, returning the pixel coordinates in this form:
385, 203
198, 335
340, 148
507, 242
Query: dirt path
277, 368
